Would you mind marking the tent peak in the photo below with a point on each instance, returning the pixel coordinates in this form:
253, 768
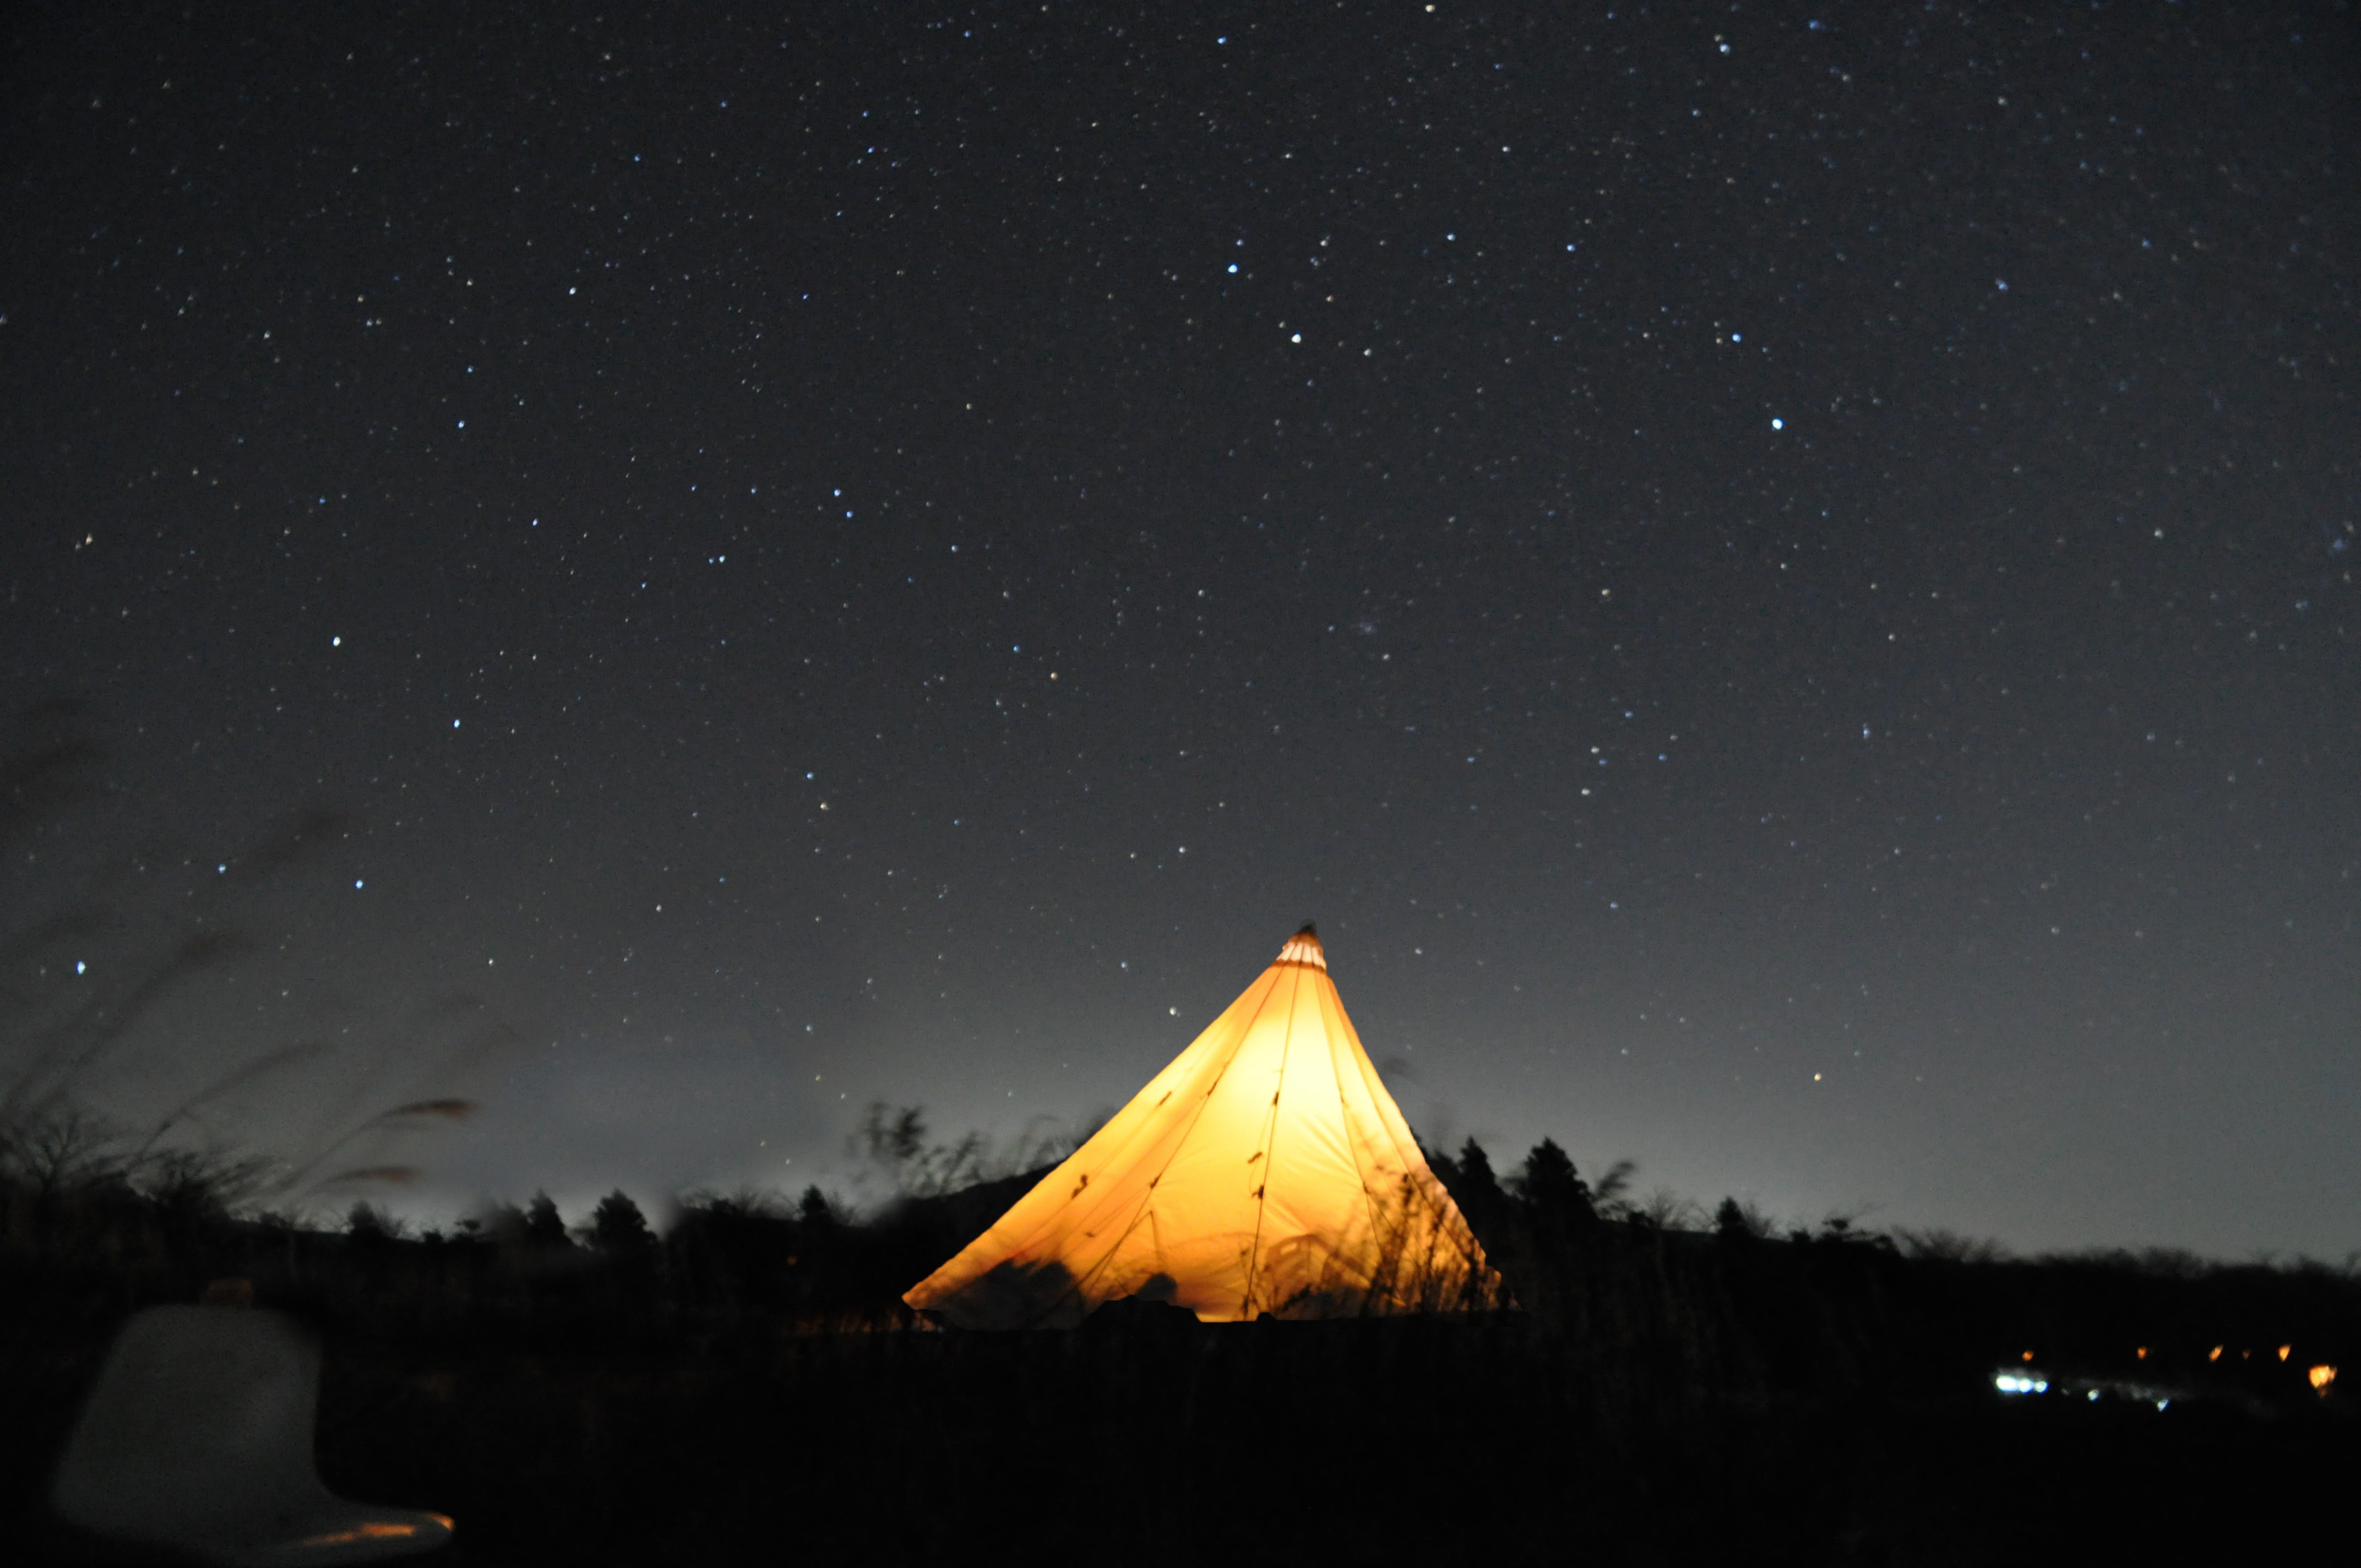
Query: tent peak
1303, 947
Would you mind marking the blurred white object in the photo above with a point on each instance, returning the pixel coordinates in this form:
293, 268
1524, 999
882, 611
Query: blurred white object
197, 1440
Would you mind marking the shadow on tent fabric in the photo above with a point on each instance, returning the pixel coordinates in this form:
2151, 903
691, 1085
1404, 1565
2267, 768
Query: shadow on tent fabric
195, 1445
1017, 1296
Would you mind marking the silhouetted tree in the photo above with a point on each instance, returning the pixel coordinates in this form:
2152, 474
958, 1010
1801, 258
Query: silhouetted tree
542, 1225
370, 1227
619, 1229
64, 1149
1469, 1180
1549, 1184
1476, 1167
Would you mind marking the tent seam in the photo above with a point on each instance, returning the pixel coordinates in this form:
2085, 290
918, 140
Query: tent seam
1270, 1154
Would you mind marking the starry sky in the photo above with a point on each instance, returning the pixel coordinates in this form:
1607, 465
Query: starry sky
1779, 583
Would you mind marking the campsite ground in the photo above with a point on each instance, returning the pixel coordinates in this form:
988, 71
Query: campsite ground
1324, 1442
742, 1388
1437, 1442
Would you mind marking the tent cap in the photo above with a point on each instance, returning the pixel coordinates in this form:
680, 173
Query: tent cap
1303, 947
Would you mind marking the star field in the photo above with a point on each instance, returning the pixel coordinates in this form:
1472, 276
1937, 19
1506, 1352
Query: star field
1781, 586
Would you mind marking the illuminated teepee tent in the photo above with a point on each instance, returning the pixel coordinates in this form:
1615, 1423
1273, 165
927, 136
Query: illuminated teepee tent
1265, 1171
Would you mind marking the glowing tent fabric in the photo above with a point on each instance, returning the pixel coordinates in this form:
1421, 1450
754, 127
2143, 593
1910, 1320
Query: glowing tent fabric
1265, 1171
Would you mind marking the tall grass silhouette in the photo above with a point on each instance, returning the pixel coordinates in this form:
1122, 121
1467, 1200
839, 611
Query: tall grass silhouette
162, 926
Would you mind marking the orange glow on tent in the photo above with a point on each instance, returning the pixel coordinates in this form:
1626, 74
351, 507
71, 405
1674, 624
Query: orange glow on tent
2143, 1353
1265, 1170
2322, 1377
2283, 1351
2214, 1354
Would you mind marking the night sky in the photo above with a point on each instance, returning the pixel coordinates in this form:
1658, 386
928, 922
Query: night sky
1782, 588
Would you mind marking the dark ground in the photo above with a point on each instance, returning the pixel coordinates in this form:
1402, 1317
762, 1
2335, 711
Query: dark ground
743, 1389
